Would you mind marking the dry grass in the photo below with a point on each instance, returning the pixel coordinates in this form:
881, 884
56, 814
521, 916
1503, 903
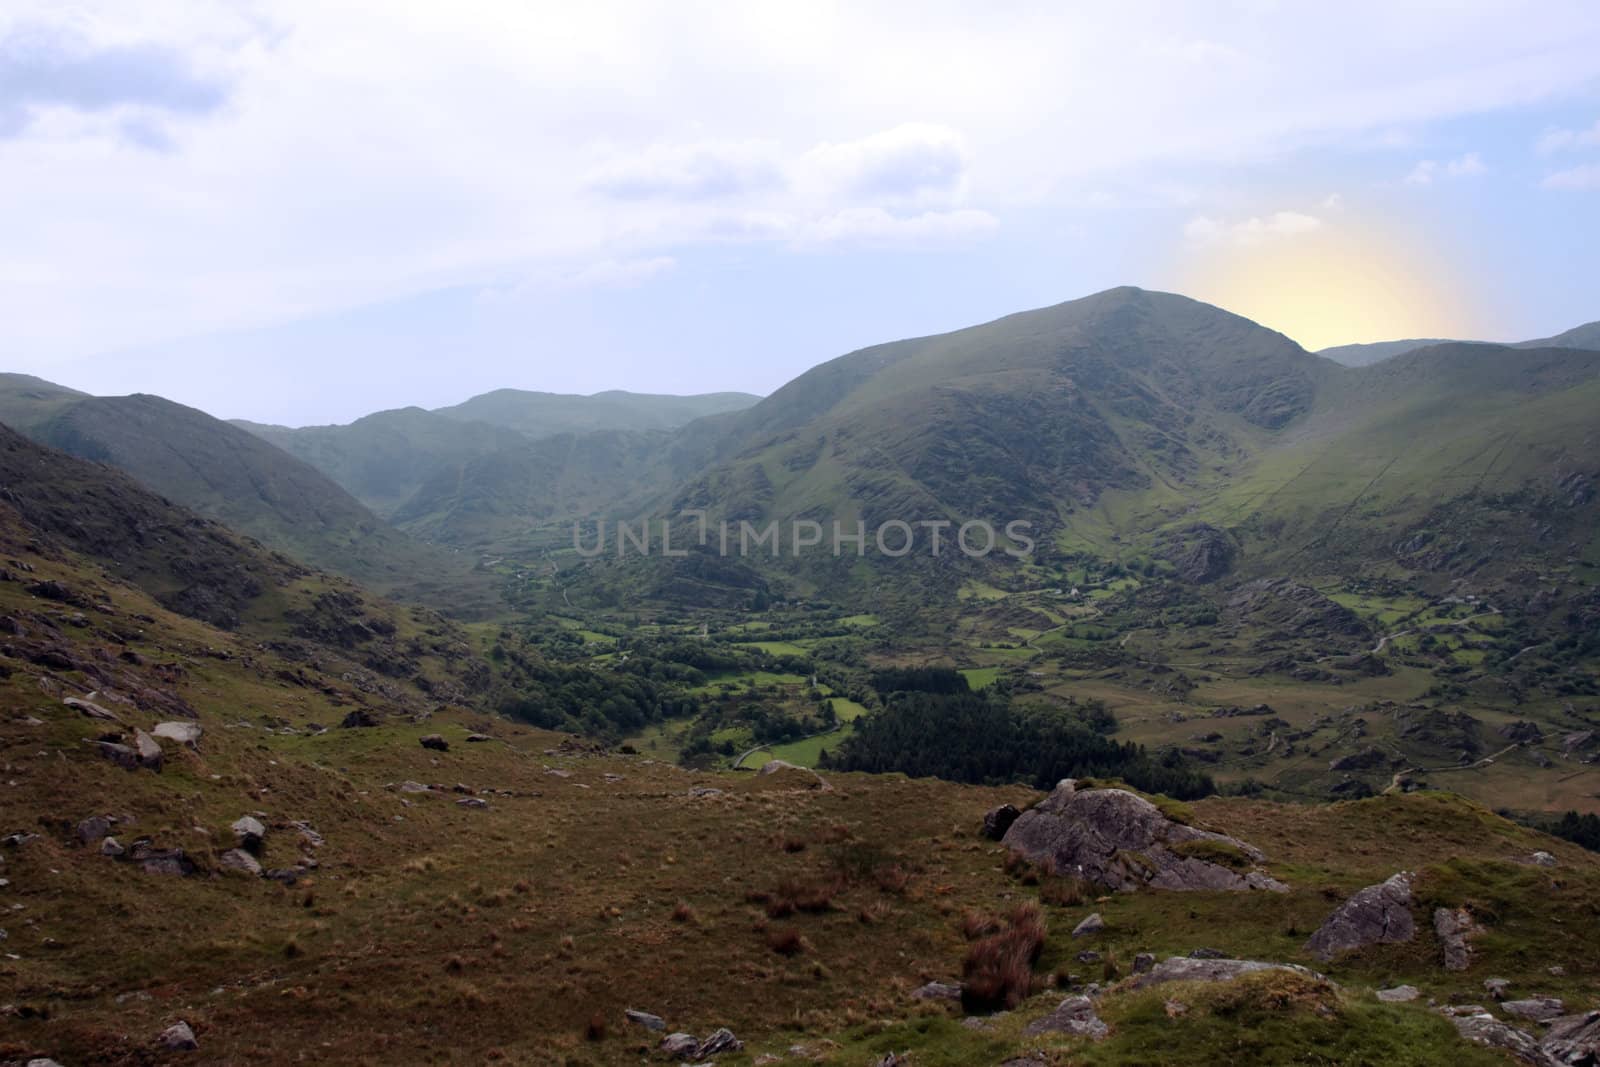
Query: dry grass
998, 972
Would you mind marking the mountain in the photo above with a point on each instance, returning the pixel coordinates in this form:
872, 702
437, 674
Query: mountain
237, 478
384, 458
1585, 336
536, 414
1376, 352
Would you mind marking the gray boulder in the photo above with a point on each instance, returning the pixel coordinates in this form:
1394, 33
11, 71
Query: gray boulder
1481, 1028
645, 1019
718, 1042
1090, 926
184, 733
1075, 1016
1574, 1039
1497, 987
1539, 1009
109, 846
93, 829
148, 750
1455, 928
996, 821
1379, 914
1143, 962
1186, 969
249, 832
237, 859
121, 755
435, 742
179, 1037
1400, 994
937, 991
1113, 838
683, 1046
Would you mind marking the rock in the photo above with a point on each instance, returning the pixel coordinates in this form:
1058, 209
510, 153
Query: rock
718, 1042
937, 991
1542, 859
179, 1037
683, 1046
237, 859
1185, 969
435, 742
152, 860
1539, 1009
90, 708
644, 1018
184, 733
1399, 994
1496, 987
701, 791
1377, 915
358, 719
1455, 929
308, 834
414, 787
93, 829
997, 821
43, 1063
1481, 1028
812, 779
18, 839
478, 739
249, 832
472, 802
110, 847
148, 750
1366, 759
121, 755
1574, 1039
1521, 731
1090, 926
1075, 1016
1121, 841
286, 875
1143, 962
1208, 954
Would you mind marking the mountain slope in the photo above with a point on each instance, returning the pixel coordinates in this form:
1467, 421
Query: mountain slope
235, 477
1362, 355
1585, 336
537, 414
384, 458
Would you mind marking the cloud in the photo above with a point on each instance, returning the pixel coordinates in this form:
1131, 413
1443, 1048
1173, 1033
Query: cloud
1586, 177
1465, 166
1561, 140
1255, 230
622, 272
690, 172
44, 67
873, 225
910, 162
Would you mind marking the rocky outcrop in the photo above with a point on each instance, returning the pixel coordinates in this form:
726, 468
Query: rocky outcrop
184, 733
1075, 1016
803, 776
1377, 915
1455, 928
1113, 838
1481, 1028
997, 821
1187, 969
1400, 994
1089, 926
645, 1019
1574, 1039
179, 1037
1539, 1009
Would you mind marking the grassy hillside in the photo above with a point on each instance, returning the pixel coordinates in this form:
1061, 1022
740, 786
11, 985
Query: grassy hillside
1363, 355
225, 473
536, 414
383, 459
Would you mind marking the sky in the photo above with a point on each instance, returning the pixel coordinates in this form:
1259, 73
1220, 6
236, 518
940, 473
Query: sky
302, 211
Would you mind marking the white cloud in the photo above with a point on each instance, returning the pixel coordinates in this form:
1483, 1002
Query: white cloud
1466, 166
1255, 230
690, 172
1586, 177
364, 151
623, 271
875, 225
1560, 140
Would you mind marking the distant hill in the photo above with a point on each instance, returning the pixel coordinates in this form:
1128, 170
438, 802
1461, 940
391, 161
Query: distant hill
386, 458
235, 477
537, 414
1376, 352
1585, 336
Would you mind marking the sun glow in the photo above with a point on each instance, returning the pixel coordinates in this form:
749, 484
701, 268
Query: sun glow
1337, 285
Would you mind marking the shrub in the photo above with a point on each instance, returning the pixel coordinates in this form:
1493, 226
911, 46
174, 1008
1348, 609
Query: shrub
998, 973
